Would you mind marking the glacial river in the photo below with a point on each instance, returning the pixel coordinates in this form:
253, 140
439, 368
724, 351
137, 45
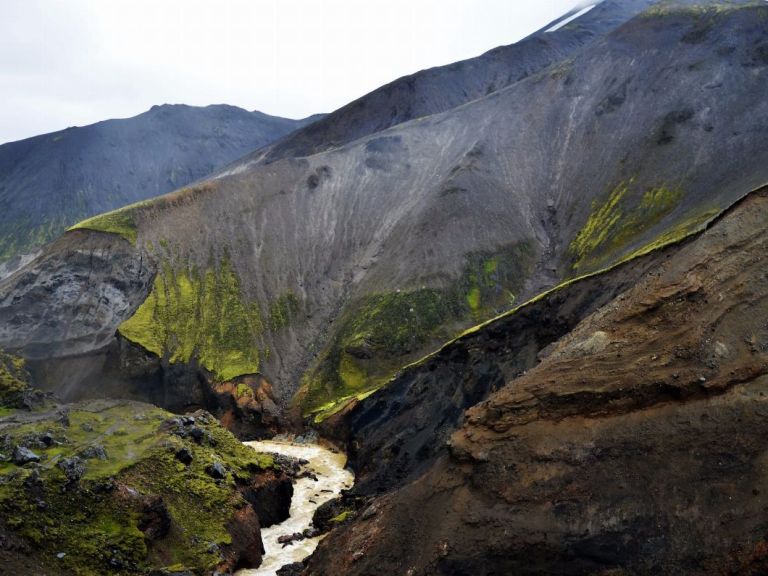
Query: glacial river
332, 478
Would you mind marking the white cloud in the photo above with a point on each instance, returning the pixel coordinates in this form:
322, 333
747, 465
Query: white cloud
75, 62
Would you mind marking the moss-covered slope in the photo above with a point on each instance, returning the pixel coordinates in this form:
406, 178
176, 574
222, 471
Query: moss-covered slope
193, 314
380, 333
122, 488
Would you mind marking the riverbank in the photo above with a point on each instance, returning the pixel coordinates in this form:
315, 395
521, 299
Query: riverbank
326, 477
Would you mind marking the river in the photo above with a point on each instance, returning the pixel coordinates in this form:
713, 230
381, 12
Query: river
332, 478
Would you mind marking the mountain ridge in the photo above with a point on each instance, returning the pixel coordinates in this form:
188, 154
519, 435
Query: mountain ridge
49, 182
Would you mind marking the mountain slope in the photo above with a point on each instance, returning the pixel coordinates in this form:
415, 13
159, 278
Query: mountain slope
330, 272
633, 447
441, 88
49, 182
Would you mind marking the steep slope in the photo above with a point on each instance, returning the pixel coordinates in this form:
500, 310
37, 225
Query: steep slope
633, 447
49, 182
334, 270
441, 88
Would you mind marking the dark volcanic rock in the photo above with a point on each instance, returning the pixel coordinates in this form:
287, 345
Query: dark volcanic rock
246, 550
337, 510
393, 435
294, 569
156, 520
22, 455
216, 470
184, 456
73, 468
270, 495
94, 452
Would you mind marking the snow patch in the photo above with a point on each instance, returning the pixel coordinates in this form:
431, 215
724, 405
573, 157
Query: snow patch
570, 19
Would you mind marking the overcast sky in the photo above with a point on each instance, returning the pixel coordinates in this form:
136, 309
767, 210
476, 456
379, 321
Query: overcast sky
74, 62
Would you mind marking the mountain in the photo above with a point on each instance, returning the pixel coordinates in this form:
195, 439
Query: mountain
49, 182
532, 315
445, 87
330, 272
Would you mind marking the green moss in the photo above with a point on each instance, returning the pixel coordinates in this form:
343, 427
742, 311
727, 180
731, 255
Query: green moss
192, 315
686, 227
381, 332
283, 310
123, 220
619, 220
343, 517
96, 522
120, 222
243, 390
14, 379
473, 298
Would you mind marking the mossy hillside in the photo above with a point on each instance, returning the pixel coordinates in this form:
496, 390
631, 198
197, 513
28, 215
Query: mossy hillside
687, 227
381, 332
97, 521
23, 236
120, 222
123, 221
283, 311
193, 314
619, 220
14, 379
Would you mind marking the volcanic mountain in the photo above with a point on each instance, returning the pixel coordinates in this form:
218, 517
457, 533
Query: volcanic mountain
49, 182
524, 292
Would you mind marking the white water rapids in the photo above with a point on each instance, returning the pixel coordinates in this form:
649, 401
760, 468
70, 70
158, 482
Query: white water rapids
332, 478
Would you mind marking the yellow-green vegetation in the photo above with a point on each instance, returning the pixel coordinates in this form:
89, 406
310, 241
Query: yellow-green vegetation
343, 517
242, 390
687, 227
120, 222
14, 379
123, 220
381, 332
99, 520
374, 336
615, 223
203, 315
283, 310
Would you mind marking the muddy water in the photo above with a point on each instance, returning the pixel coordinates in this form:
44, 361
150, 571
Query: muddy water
307, 496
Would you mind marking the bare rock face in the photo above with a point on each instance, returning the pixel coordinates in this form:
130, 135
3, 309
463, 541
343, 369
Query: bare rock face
246, 550
270, 495
71, 300
640, 455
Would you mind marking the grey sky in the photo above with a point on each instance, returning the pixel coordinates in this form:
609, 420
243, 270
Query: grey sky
75, 62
